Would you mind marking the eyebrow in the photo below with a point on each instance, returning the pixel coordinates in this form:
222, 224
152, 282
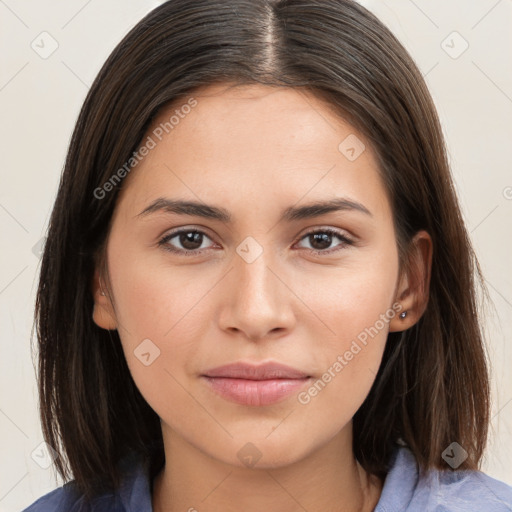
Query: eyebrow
290, 214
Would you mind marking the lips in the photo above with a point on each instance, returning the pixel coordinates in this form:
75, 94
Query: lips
256, 372
255, 385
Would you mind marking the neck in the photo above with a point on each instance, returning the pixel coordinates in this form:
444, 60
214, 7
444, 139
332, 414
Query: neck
329, 478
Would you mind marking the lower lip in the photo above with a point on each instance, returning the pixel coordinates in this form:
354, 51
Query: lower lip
255, 392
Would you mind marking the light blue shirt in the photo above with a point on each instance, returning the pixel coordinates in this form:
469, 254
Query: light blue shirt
403, 491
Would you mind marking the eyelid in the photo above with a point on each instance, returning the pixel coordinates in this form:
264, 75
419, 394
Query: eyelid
347, 240
163, 240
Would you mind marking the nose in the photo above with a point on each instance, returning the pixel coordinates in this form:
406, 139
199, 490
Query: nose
257, 301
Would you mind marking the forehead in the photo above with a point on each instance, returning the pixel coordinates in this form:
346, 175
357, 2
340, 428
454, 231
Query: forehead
258, 141
225, 111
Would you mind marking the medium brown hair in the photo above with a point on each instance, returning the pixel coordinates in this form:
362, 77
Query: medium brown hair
432, 387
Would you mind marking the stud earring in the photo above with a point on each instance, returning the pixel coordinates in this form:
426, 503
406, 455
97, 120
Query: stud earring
403, 314
101, 288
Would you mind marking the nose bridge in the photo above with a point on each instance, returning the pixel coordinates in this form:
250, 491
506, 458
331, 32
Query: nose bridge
256, 282
258, 301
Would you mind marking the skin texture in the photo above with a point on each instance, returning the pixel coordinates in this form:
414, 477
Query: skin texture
256, 150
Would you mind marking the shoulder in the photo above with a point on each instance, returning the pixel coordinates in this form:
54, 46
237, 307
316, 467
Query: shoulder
440, 490
468, 491
132, 495
68, 499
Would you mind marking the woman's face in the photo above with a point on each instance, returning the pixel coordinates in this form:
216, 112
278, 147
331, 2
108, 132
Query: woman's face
251, 288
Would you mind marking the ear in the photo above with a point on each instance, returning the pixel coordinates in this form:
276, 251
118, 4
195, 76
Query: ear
413, 286
103, 312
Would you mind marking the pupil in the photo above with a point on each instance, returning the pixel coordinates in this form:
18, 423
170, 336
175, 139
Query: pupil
323, 238
190, 238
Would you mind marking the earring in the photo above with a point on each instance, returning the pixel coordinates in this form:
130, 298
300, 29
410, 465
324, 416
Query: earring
101, 288
403, 314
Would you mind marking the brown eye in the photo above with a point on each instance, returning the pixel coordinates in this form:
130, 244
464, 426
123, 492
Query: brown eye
190, 240
321, 240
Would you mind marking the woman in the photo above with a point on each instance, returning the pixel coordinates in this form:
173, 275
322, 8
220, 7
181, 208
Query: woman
257, 288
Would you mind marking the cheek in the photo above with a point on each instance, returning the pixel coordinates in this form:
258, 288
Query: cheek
154, 300
349, 298
353, 306
162, 315
346, 370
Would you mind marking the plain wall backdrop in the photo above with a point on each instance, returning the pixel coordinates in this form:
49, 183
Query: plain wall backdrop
51, 52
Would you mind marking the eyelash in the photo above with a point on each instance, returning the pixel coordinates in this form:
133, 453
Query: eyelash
163, 242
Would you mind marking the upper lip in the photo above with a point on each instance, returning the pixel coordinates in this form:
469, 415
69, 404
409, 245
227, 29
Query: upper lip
241, 370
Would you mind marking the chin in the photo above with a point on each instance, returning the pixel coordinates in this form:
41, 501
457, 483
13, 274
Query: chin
260, 452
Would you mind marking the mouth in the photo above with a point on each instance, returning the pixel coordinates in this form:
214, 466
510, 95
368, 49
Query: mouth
255, 385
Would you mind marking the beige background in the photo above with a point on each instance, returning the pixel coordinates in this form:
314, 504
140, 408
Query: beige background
40, 100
